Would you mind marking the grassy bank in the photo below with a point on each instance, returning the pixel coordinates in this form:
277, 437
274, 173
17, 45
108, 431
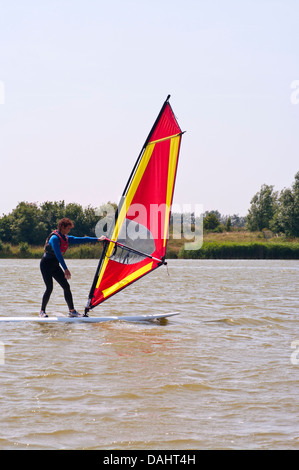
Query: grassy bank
28, 251
226, 245
237, 245
250, 250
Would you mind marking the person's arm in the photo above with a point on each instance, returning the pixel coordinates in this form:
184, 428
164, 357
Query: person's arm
82, 240
54, 242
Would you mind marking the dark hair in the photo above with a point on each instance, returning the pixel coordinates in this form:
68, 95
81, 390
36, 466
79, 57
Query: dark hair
65, 222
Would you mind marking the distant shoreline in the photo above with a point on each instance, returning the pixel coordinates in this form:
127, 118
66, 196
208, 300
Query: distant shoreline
227, 245
232, 250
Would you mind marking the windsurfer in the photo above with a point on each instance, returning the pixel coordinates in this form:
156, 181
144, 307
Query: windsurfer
56, 245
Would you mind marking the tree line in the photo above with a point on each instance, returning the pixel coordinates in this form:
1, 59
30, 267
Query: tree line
277, 211
269, 209
32, 223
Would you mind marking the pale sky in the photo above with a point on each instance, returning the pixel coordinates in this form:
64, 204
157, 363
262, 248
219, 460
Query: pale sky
84, 81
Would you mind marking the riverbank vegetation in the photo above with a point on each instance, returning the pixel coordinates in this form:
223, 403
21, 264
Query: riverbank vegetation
269, 231
236, 244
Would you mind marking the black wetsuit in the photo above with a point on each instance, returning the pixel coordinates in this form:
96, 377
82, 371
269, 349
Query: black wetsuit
50, 268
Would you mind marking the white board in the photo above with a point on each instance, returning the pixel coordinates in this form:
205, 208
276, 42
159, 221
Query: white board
65, 319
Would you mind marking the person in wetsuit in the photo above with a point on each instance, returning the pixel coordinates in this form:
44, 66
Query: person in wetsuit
56, 245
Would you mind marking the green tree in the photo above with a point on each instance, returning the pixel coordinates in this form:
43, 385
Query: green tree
75, 212
90, 221
262, 209
51, 213
26, 225
286, 218
228, 225
6, 228
211, 221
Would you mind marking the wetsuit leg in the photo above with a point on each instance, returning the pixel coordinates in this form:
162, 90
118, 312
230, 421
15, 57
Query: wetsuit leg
46, 270
58, 275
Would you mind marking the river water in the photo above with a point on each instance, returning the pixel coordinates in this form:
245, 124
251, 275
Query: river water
221, 375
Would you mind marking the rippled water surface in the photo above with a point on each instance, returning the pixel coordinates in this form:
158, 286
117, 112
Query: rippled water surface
221, 375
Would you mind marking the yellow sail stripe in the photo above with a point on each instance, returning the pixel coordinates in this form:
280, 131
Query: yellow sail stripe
127, 202
127, 280
164, 138
173, 154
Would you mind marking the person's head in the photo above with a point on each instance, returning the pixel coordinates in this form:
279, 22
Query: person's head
65, 225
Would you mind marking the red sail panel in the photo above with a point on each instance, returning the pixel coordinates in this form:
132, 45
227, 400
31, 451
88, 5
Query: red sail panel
143, 216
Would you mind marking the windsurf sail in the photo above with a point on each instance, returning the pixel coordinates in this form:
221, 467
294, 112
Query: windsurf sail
137, 241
